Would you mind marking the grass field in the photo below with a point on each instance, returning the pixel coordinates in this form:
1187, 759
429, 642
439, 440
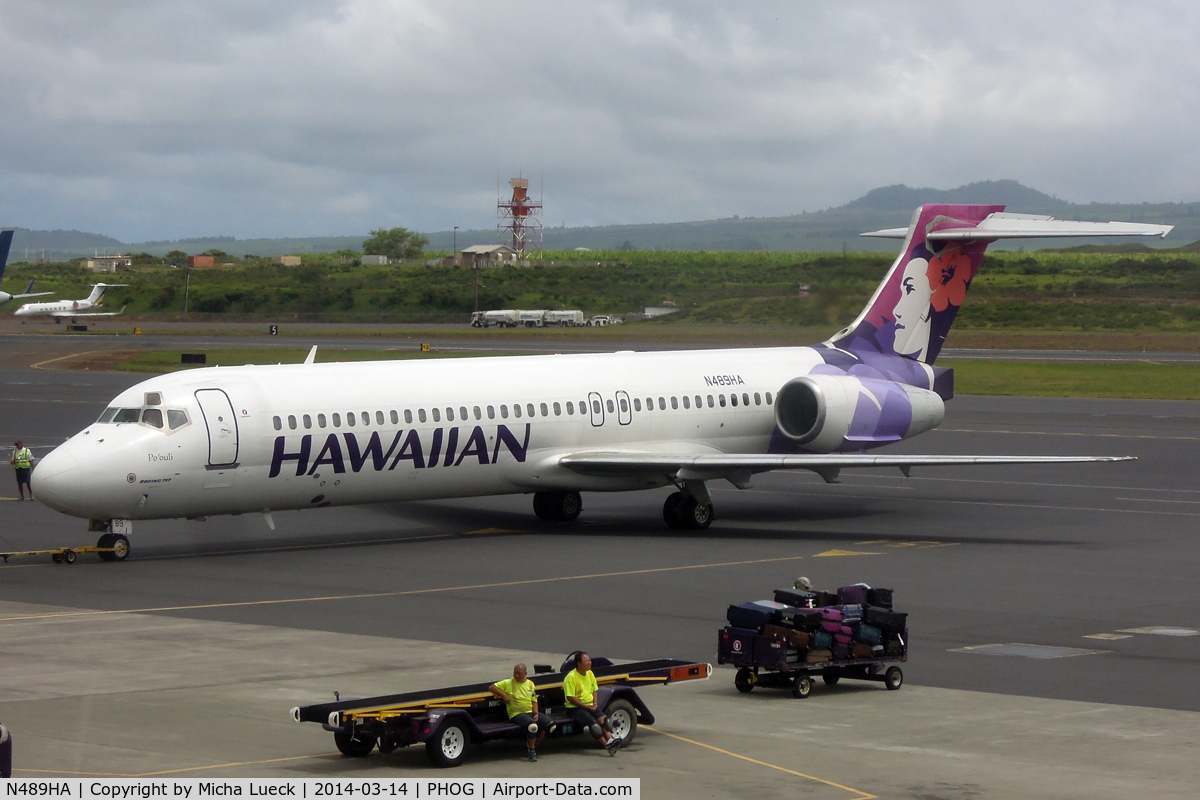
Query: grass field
1054, 379
1020, 378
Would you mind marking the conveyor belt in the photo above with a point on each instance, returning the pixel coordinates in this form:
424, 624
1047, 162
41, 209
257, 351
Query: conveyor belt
662, 670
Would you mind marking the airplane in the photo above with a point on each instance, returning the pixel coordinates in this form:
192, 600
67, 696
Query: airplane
234, 440
6, 238
71, 309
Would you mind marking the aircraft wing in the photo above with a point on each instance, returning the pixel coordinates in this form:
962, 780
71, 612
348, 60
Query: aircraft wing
738, 467
30, 294
74, 314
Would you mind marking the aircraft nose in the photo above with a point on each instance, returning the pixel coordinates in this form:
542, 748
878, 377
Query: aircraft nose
56, 480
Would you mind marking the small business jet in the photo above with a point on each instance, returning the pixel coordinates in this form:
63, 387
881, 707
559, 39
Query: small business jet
71, 309
264, 438
6, 238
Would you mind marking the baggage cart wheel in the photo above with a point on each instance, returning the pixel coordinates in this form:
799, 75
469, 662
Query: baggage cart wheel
120, 545
802, 687
745, 680
893, 679
449, 747
622, 718
831, 677
352, 746
69, 556
56, 558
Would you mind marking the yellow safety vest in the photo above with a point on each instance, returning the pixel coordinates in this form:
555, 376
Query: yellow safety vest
22, 457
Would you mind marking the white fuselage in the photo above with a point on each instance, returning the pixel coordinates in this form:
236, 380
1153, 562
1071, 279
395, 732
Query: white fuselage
220, 460
59, 307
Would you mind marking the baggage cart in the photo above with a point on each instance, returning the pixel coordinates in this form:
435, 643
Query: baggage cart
767, 661
447, 719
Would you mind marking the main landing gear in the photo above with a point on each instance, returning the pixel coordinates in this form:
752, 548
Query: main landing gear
557, 506
689, 509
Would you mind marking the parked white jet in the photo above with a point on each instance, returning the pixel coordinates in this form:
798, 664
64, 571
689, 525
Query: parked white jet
5, 244
263, 438
71, 309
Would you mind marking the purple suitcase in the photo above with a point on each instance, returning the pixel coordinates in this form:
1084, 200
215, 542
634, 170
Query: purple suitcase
832, 626
831, 613
853, 595
843, 638
841, 650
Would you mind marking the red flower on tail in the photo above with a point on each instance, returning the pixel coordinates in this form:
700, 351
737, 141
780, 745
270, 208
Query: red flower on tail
949, 273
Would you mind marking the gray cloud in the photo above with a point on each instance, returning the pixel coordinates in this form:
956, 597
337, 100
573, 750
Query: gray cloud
289, 118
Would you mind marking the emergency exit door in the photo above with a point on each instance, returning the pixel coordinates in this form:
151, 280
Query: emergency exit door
596, 407
222, 427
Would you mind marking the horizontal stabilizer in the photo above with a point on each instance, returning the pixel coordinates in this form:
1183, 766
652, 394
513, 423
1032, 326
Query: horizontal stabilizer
716, 466
1004, 225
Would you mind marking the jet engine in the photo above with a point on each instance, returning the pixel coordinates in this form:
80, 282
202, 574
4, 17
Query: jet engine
844, 412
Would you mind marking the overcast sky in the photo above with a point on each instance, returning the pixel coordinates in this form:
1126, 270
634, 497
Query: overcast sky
165, 119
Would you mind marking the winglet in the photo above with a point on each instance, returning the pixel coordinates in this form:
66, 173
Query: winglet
312, 355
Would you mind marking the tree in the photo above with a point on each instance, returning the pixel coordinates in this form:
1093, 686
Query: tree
395, 243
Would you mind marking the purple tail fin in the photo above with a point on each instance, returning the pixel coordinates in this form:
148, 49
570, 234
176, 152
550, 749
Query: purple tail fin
912, 310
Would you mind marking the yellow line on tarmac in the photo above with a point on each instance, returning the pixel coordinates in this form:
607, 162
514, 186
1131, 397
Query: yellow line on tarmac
171, 771
41, 364
404, 593
861, 795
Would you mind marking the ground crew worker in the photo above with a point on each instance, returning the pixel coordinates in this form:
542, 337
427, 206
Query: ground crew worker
580, 689
521, 703
22, 460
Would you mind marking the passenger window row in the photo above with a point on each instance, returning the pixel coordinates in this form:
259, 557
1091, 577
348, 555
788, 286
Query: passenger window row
518, 411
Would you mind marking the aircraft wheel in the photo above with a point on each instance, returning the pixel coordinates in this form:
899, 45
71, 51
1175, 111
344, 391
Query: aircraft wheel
105, 541
671, 510
569, 505
543, 506
557, 506
695, 515
120, 545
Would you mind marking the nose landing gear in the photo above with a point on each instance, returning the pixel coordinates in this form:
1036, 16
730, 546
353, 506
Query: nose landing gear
113, 547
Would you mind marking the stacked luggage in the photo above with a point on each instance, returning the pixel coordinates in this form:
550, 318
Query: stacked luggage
815, 628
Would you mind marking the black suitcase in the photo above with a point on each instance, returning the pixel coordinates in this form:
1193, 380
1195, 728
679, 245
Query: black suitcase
755, 615
796, 597
881, 598
826, 599
802, 619
885, 620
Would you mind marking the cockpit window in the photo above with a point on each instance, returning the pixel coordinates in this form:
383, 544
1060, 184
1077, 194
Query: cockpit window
108, 415
176, 418
127, 415
153, 416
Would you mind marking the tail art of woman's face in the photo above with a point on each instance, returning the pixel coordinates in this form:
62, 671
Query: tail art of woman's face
912, 310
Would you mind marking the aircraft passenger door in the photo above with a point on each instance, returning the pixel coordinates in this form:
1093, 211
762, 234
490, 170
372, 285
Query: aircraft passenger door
624, 409
222, 427
596, 406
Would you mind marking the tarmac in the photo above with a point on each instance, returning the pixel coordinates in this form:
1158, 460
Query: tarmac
1053, 613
